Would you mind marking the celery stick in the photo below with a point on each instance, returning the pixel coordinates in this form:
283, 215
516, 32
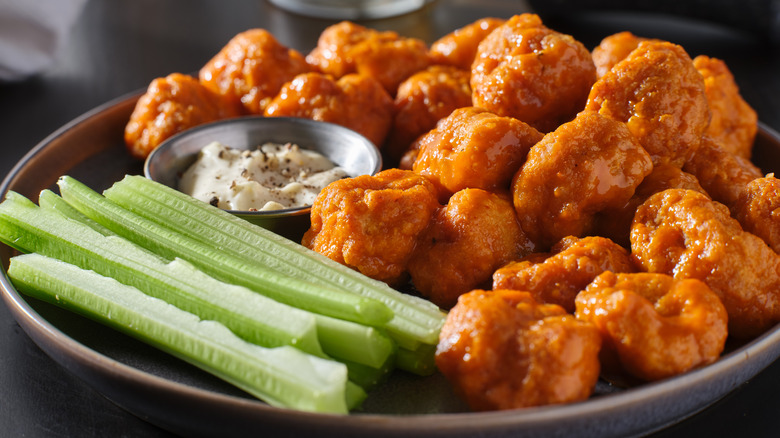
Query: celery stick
355, 394
421, 361
369, 377
339, 339
258, 319
416, 320
51, 201
345, 340
281, 376
222, 264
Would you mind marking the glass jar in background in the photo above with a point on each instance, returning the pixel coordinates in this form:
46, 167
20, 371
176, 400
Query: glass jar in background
350, 9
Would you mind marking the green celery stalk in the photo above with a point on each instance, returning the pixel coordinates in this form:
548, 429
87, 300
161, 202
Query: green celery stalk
416, 320
29, 228
347, 341
221, 263
368, 377
367, 345
281, 376
421, 361
51, 201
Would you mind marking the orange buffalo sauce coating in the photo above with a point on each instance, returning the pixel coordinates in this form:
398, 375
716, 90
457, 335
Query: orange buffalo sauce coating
251, 68
475, 233
722, 174
526, 70
372, 223
354, 101
615, 223
585, 166
421, 101
459, 47
758, 210
558, 277
734, 123
474, 148
171, 105
686, 234
347, 47
503, 350
653, 325
660, 96
614, 49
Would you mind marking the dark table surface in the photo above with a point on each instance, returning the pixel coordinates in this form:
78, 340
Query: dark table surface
119, 46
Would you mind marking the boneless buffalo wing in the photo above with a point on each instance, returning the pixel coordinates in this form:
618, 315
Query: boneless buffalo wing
501, 350
526, 70
653, 325
468, 239
585, 166
355, 101
613, 49
660, 96
420, 102
722, 174
170, 105
686, 234
474, 148
758, 210
459, 47
615, 223
734, 123
251, 69
347, 47
372, 223
557, 277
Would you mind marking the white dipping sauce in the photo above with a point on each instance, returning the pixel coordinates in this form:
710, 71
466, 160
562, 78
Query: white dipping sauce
271, 177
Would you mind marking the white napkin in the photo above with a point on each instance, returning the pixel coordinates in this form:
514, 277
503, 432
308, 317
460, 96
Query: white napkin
32, 32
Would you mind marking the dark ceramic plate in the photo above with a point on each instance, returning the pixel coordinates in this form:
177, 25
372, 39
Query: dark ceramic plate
181, 398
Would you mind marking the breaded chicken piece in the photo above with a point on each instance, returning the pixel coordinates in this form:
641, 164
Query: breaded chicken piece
171, 105
355, 101
421, 101
251, 69
654, 326
526, 70
372, 223
474, 148
557, 277
734, 123
468, 239
615, 223
613, 49
686, 234
459, 47
585, 166
347, 47
758, 210
503, 350
660, 96
722, 174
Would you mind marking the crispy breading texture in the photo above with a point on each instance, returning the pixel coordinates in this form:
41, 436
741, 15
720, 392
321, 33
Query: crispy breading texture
251, 69
503, 350
686, 234
474, 234
372, 223
653, 325
170, 105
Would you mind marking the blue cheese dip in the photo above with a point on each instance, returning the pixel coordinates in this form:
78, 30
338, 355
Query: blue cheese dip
271, 177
